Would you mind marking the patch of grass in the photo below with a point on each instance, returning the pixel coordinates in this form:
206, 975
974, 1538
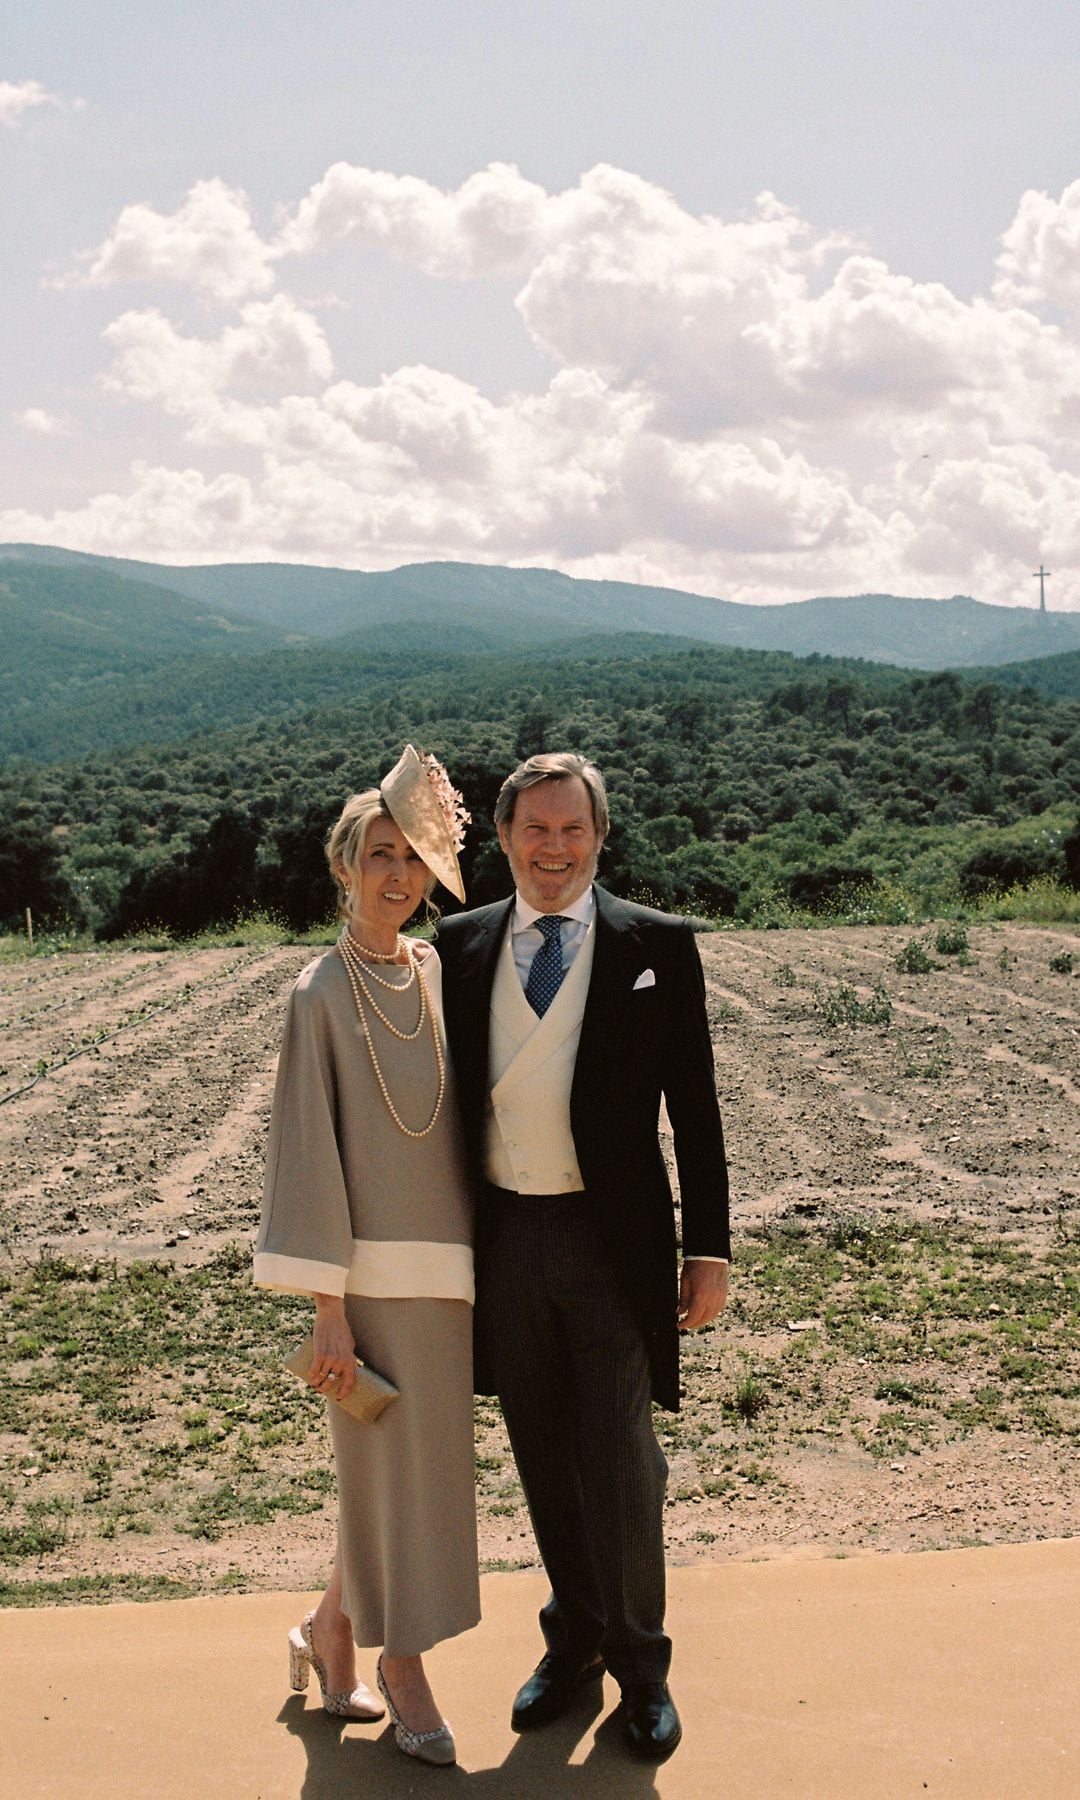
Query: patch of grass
94, 1590
147, 1395
33, 1538
931, 1063
756, 1474
948, 1331
751, 1396
1040, 902
895, 1434
897, 1389
784, 976
15, 948
1062, 964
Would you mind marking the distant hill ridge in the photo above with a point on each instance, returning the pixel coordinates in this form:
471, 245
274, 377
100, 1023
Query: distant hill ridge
488, 607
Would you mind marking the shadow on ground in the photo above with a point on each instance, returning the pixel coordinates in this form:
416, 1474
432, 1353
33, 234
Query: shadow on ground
537, 1766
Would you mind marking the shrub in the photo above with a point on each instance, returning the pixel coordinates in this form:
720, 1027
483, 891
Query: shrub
997, 867
842, 1005
951, 940
828, 889
913, 960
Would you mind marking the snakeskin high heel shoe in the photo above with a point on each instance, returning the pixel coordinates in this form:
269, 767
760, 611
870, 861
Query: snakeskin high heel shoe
427, 1746
359, 1704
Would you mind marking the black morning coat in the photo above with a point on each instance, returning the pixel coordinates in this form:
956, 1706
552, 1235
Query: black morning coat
635, 1045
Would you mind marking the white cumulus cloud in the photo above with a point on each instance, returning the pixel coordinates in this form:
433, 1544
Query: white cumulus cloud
209, 244
44, 423
753, 407
1040, 251
17, 98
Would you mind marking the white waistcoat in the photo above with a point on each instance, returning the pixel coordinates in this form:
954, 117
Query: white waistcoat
528, 1146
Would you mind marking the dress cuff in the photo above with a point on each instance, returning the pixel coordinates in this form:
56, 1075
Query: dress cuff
296, 1275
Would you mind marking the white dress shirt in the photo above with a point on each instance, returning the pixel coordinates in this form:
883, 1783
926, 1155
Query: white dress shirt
527, 940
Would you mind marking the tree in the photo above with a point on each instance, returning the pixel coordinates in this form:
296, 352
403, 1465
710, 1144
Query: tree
32, 872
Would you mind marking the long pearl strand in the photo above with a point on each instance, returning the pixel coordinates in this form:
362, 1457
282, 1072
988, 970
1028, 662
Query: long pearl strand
359, 977
407, 1037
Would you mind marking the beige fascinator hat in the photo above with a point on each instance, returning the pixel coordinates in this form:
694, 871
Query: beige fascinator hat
430, 813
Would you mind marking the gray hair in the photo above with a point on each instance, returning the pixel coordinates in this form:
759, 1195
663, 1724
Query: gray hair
554, 765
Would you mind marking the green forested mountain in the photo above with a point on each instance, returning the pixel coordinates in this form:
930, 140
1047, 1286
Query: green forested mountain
60, 628
1057, 675
94, 659
735, 779
191, 694
520, 606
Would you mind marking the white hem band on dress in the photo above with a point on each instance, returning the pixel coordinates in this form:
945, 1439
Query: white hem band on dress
391, 1269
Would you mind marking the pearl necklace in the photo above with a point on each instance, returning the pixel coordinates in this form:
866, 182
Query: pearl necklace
359, 976
352, 968
377, 956
402, 955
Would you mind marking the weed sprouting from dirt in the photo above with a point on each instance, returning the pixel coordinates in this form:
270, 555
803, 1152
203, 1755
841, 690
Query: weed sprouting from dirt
951, 940
843, 1005
933, 1061
913, 960
750, 1397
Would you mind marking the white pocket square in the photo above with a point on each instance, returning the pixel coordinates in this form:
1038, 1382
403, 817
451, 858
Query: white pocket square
644, 980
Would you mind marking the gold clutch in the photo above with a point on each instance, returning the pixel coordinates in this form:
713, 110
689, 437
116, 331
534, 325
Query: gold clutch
371, 1395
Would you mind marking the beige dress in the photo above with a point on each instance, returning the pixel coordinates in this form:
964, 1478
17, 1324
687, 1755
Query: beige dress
353, 1206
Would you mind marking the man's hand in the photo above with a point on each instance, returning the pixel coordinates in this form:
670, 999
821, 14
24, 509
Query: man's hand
702, 1293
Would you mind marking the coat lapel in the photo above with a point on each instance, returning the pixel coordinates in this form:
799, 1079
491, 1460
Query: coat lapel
613, 971
476, 966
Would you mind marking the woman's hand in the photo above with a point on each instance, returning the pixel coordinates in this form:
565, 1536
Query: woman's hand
333, 1370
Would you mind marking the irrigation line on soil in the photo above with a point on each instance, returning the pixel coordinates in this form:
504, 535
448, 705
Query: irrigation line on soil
140, 1018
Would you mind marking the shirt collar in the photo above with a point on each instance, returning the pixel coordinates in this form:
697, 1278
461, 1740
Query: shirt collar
525, 915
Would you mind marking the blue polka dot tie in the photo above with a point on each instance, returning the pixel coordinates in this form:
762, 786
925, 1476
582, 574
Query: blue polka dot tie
546, 970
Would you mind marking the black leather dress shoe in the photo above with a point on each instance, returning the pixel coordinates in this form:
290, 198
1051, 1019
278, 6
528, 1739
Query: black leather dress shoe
651, 1725
550, 1689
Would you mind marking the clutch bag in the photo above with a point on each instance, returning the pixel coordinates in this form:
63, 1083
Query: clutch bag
371, 1395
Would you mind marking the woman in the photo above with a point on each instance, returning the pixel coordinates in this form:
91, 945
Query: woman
366, 1209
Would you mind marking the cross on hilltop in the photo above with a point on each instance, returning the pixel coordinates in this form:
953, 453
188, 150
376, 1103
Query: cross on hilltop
1040, 576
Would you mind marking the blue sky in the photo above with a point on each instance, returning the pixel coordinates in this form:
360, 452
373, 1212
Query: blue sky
372, 283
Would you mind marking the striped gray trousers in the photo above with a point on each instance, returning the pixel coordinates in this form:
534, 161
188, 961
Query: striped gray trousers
568, 1359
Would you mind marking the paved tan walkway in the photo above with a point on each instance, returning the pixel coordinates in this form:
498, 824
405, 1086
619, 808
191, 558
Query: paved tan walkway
948, 1675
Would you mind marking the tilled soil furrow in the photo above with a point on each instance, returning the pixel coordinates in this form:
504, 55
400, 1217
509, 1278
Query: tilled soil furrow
961, 1102
102, 1010
100, 1135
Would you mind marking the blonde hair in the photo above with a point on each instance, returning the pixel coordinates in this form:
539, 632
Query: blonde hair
346, 840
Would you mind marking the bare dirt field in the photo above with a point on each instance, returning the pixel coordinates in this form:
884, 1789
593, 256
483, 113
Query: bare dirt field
899, 1367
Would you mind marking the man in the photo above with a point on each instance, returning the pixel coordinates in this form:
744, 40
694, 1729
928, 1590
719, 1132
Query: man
569, 1014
